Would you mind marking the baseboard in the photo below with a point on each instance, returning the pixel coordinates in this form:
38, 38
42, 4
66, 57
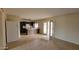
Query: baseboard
67, 41
3, 48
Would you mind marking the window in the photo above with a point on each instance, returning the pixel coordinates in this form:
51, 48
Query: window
48, 28
51, 30
36, 25
45, 28
27, 26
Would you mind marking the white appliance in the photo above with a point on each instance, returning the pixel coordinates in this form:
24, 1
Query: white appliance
12, 31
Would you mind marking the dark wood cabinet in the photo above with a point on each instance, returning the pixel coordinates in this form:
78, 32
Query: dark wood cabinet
24, 31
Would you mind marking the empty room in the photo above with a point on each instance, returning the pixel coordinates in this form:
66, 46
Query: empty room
39, 28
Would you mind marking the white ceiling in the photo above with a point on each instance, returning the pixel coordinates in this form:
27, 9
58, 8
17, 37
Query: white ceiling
38, 13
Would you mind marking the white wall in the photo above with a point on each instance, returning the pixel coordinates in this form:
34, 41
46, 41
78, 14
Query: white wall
13, 28
12, 31
67, 27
